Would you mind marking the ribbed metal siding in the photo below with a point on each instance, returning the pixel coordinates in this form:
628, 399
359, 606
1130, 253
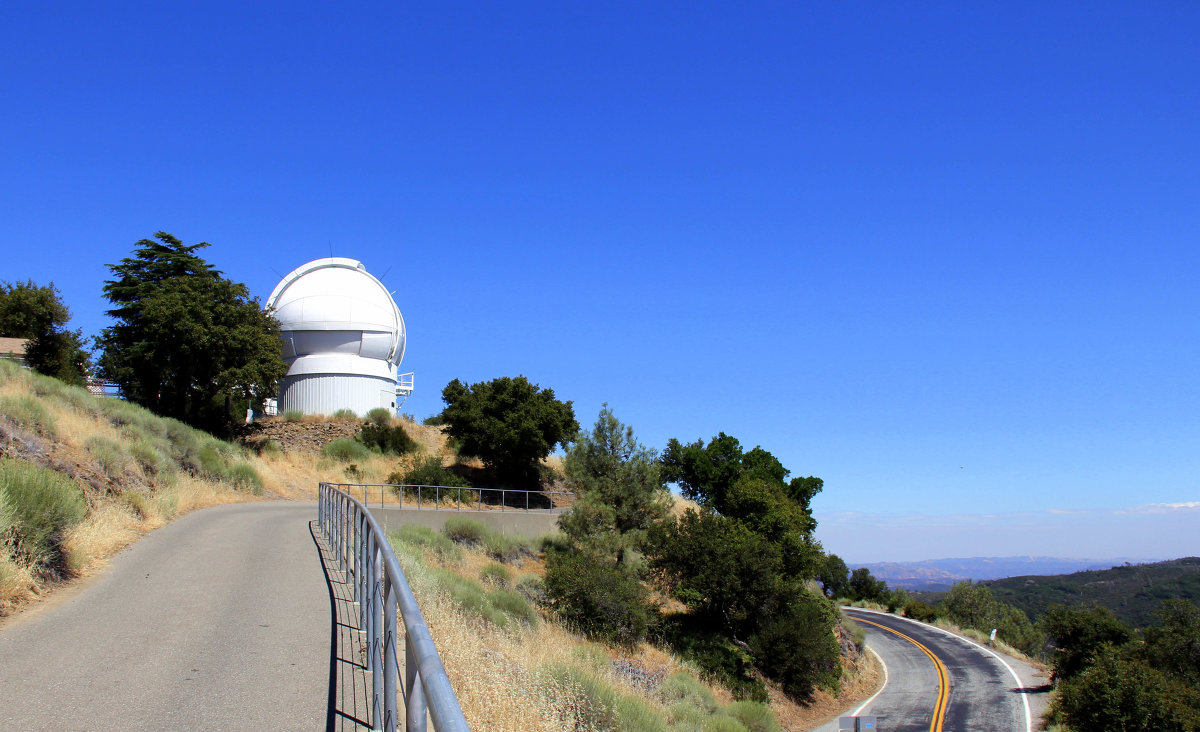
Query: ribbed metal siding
325, 394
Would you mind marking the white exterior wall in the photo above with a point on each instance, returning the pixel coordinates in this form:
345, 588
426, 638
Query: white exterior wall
327, 393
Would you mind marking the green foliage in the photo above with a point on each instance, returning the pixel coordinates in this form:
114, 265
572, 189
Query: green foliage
620, 486
380, 417
464, 530
1077, 634
268, 447
1174, 647
29, 413
387, 439
244, 477
38, 314
513, 604
724, 572
796, 646
754, 716
431, 473
716, 655
532, 588
186, 341
292, 415
683, 688
1116, 693
508, 423
342, 414
40, 504
109, 453
973, 606
921, 611
863, 586
425, 538
346, 450
598, 706
506, 547
602, 600
834, 576
495, 575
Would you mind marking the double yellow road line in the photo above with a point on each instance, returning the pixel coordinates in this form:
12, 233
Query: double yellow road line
939, 711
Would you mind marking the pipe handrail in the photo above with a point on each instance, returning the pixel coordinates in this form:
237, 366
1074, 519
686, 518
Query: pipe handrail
434, 494
381, 589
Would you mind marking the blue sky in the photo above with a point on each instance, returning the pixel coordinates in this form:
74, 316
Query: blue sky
942, 255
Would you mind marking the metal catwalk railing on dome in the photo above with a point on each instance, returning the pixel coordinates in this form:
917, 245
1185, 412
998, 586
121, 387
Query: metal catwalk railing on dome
454, 498
382, 592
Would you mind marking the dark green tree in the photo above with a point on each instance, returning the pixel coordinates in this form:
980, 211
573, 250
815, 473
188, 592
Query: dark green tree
834, 576
1077, 634
187, 341
863, 586
1117, 692
38, 314
619, 485
508, 423
1174, 646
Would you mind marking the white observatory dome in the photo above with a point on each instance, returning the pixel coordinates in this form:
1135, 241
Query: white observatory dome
343, 337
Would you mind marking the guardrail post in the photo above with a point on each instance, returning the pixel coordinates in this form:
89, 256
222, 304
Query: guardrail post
414, 691
390, 672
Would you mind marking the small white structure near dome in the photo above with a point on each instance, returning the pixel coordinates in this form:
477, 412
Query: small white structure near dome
343, 338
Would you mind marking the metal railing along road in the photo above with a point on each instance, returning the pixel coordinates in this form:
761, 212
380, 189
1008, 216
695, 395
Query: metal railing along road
382, 592
452, 498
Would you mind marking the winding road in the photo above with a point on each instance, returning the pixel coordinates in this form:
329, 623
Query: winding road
218, 621
940, 682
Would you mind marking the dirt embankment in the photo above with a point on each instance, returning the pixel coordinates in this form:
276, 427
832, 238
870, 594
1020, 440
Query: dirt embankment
299, 436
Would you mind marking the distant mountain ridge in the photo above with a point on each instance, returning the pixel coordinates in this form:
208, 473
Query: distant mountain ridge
939, 575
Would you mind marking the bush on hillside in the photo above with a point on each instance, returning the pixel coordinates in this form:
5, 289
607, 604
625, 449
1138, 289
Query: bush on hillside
344, 414
387, 439
430, 472
346, 450
602, 600
41, 504
918, 610
464, 530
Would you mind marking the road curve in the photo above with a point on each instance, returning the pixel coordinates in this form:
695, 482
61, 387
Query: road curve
217, 621
974, 691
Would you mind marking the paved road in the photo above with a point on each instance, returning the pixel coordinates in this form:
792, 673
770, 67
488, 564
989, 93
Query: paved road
218, 621
972, 690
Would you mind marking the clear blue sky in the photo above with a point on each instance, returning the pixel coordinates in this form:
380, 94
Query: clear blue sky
943, 256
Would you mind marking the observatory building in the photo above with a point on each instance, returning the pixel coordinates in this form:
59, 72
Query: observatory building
343, 338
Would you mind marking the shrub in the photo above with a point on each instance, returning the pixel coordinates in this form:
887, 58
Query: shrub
464, 530
109, 454
243, 476
42, 504
683, 688
268, 448
598, 705
430, 472
211, 462
345, 450
29, 413
380, 416
345, 414
292, 415
152, 460
423, 537
514, 605
496, 575
716, 655
532, 588
797, 647
470, 597
602, 600
554, 541
918, 610
506, 547
754, 716
390, 440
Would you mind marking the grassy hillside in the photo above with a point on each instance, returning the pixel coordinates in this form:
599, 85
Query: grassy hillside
82, 476
1133, 592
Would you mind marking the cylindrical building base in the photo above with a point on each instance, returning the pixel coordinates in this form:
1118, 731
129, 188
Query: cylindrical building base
327, 393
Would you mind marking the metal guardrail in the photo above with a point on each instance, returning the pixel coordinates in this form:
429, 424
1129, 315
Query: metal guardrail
380, 589
434, 497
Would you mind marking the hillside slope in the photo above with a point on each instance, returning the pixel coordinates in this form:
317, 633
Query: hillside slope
1133, 591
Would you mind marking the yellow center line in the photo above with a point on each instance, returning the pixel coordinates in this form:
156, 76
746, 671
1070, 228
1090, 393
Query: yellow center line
939, 710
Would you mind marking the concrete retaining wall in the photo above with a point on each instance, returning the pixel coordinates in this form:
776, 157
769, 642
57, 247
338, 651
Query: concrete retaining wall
530, 524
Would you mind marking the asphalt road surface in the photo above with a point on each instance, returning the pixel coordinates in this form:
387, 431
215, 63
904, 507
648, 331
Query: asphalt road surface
218, 621
937, 681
